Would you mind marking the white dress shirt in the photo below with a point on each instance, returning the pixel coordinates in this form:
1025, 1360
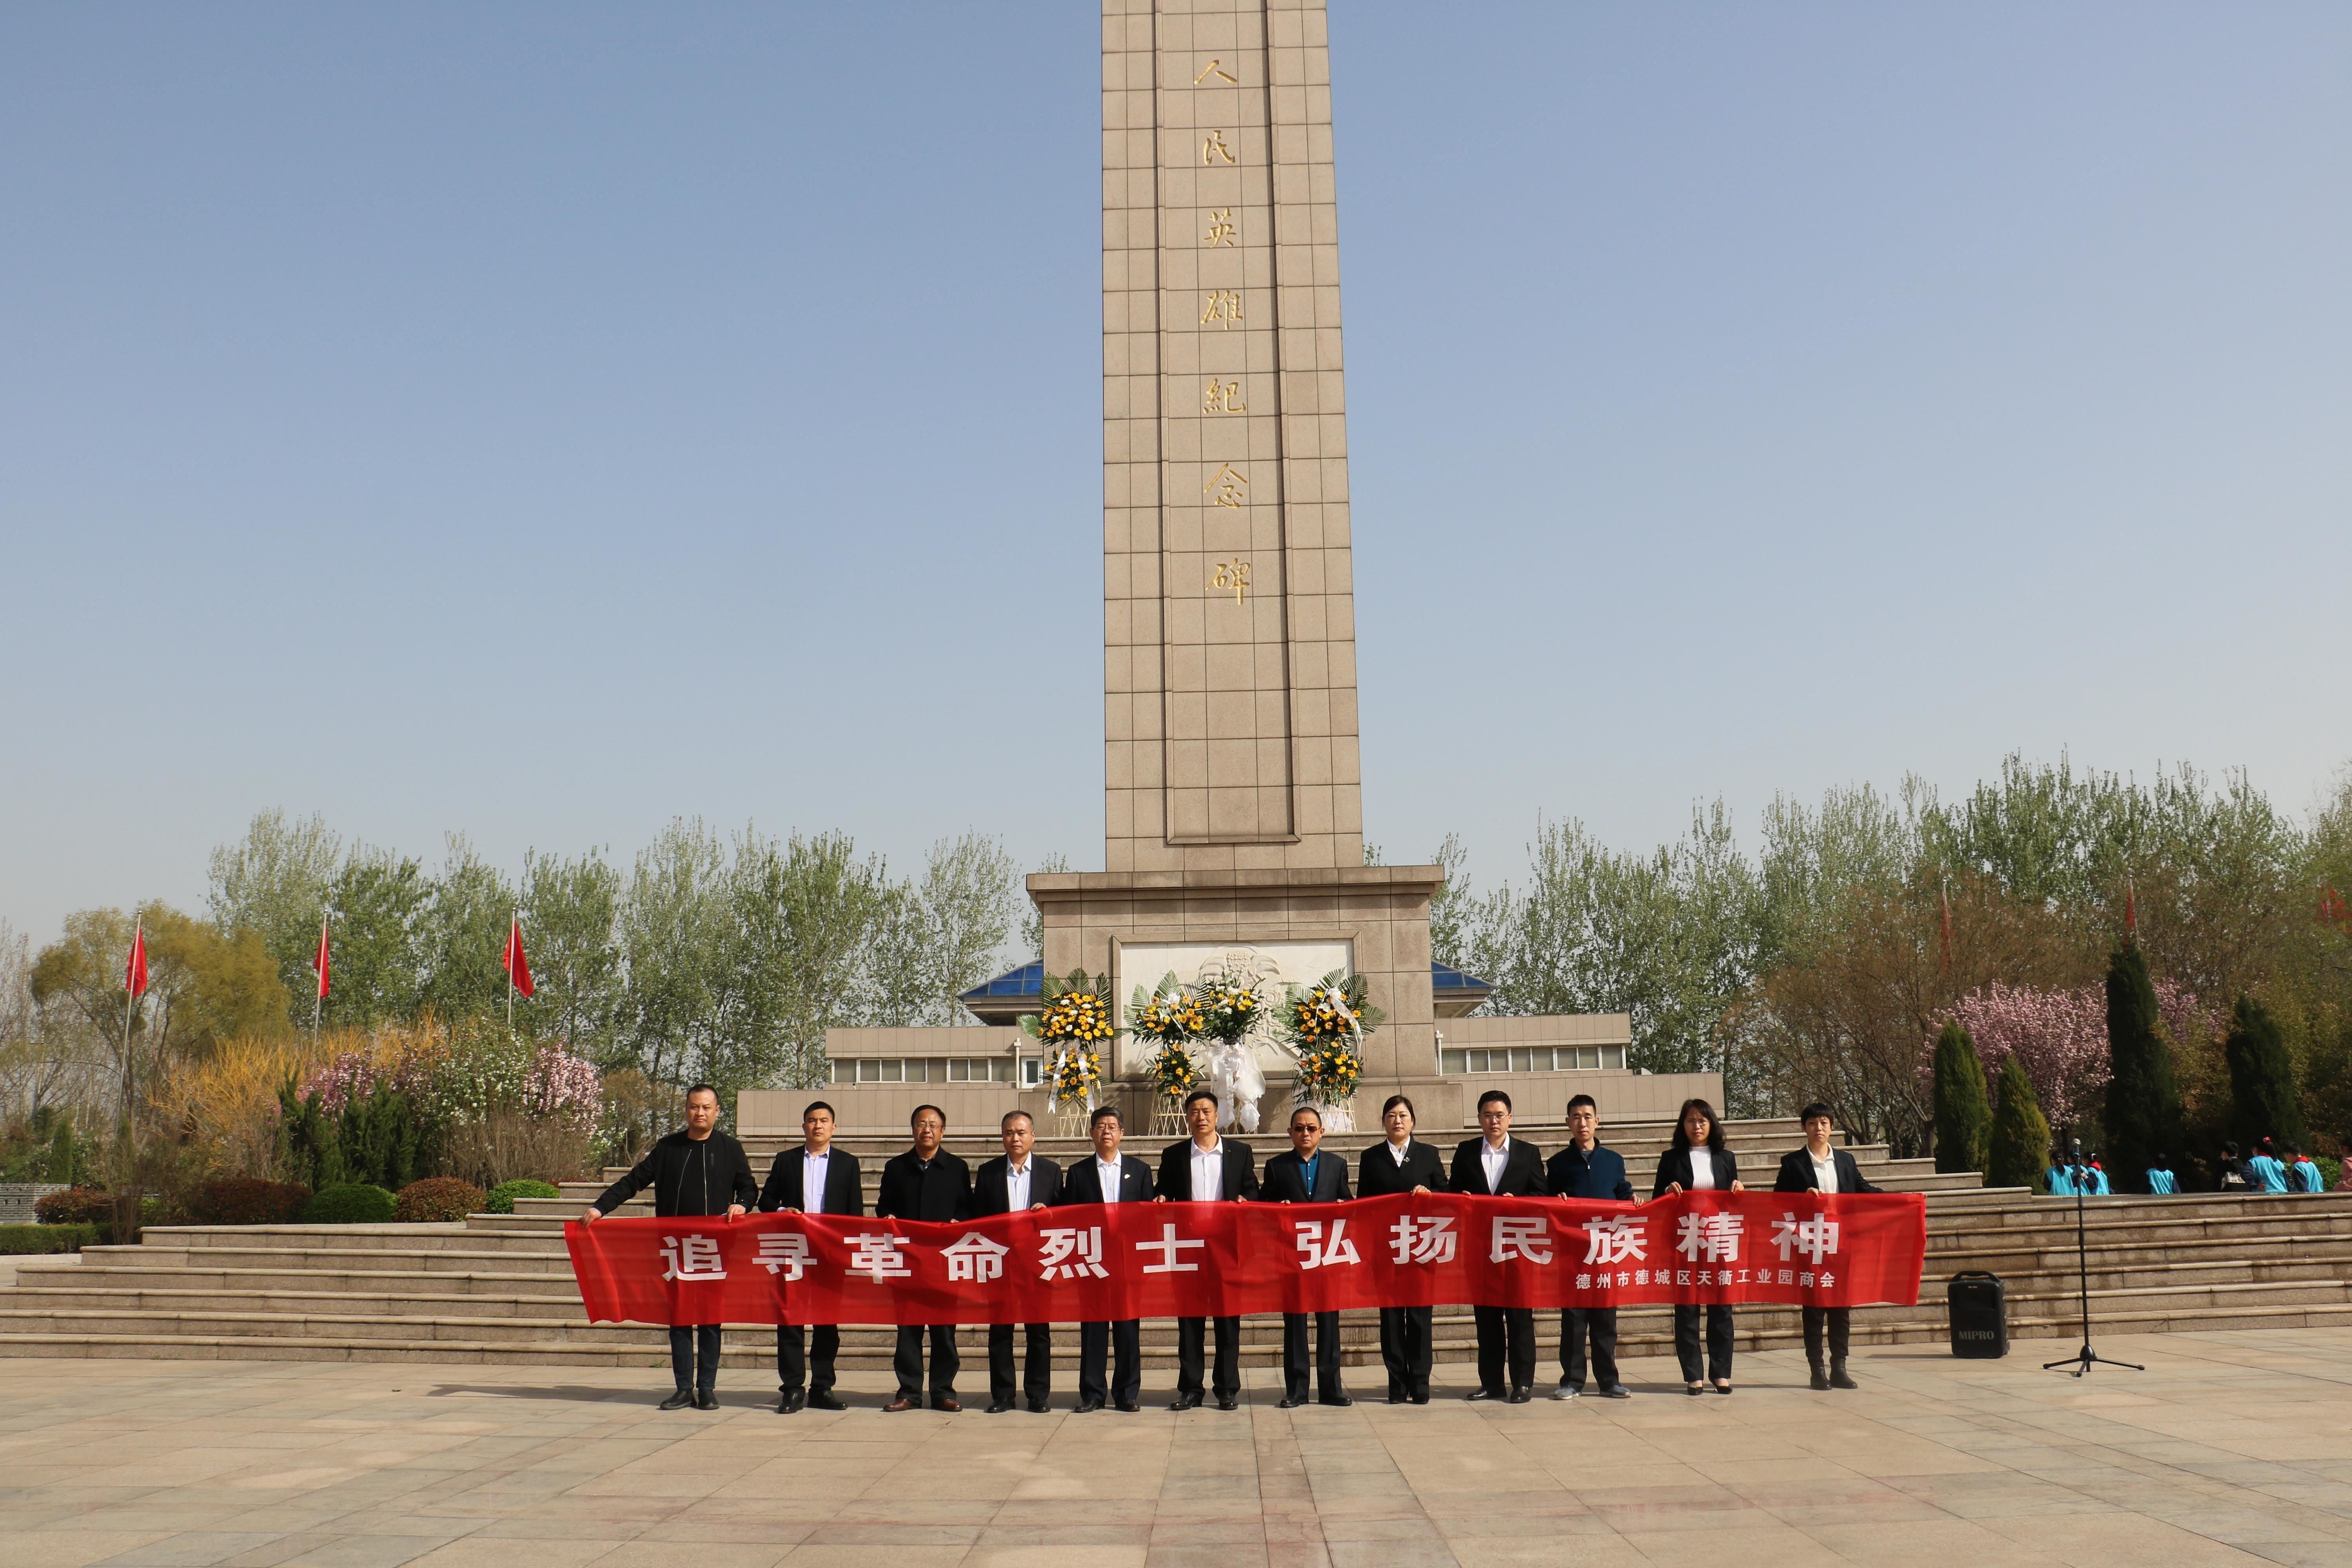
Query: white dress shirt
1016, 1185
1397, 1150
1491, 1160
1702, 1163
812, 1170
1825, 1170
1107, 1175
1209, 1173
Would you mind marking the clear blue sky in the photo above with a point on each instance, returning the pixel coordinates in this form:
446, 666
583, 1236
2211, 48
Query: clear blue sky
545, 420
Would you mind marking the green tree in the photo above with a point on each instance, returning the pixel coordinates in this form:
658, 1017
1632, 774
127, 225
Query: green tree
803, 911
571, 921
2143, 1112
378, 902
463, 935
940, 934
2262, 1098
276, 883
675, 924
1963, 1110
2019, 1154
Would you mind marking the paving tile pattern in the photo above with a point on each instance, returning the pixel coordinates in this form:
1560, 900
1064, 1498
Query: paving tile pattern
2230, 1448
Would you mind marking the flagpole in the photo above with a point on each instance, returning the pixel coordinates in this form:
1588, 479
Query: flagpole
319, 991
514, 924
126, 1222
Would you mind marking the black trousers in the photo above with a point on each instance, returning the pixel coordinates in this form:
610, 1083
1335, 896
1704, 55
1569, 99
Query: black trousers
804, 1356
908, 1360
1097, 1344
1406, 1350
1600, 1324
1839, 1321
1188, 1346
688, 1347
1294, 1354
1039, 1382
1501, 1329
1718, 1342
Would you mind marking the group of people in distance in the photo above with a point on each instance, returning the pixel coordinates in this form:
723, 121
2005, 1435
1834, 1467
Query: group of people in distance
701, 1171
2272, 1167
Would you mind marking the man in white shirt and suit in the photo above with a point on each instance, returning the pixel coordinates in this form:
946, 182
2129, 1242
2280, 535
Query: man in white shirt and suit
815, 1178
1019, 1179
1498, 1164
1109, 1177
1207, 1169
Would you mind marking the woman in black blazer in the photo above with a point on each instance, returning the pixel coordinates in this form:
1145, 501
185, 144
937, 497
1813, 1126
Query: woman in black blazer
1403, 1163
1697, 1162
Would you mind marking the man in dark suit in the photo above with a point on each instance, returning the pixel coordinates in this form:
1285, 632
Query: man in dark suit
1403, 1163
1498, 1164
1109, 1177
1013, 1181
695, 1171
927, 1184
1819, 1168
1302, 1174
1206, 1169
815, 1178
1586, 1170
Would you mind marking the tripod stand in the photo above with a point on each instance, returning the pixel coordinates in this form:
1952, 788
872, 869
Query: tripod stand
2082, 1360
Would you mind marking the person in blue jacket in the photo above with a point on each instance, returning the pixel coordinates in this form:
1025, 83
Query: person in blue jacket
2060, 1178
1586, 1170
2160, 1179
2266, 1170
2301, 1170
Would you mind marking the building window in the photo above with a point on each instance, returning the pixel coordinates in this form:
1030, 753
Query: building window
1531, 1058
930, 1069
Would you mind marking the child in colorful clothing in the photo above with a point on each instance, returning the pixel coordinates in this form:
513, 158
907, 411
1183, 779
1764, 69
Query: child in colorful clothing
2265, 1170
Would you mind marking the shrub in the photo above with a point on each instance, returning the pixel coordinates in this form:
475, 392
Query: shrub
75, 1205
502, 1196
436, 1199
2262, 1098
2021, 1136
351, 1203
2144, 1114
248, 1200
21, 1240
1963, 1110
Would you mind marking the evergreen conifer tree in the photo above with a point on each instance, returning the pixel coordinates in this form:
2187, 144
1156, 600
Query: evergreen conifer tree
2021, 1136
1963, 1110
2143, 1116
2262, 1098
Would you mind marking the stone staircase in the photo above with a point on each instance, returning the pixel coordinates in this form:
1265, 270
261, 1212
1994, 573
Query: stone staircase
498, 1288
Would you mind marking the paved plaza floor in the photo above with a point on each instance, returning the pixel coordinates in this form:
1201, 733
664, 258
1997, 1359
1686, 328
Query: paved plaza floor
2232, 1447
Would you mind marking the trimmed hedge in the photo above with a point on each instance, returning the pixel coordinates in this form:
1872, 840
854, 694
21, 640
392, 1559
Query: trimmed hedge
246, 1200
502, 1196
355, 1202
436, 1200
24, 1240
75, 1205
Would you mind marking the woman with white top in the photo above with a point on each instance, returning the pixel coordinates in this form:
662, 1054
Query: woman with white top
1403, 1163
1696, 1162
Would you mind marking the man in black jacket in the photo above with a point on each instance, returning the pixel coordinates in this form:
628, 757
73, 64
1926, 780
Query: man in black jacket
695, 1171
1015, 1180
1819, 1168
1498, 1164
1301, 1174
1207, 1169
815, 1178
1108, 1176
926, 1183
1585, 1169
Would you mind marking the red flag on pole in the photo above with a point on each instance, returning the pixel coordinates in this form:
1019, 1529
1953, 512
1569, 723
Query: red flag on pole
134, 978
319, 963
517, 966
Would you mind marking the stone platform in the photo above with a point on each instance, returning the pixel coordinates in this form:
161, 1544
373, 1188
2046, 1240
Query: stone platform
2228, 1450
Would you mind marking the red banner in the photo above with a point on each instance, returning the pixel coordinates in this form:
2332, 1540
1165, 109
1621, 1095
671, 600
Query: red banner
1093, 1263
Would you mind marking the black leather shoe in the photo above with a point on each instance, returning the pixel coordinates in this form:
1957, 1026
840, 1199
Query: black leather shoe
1616, 1390
1723, 1388
998, 1406
1497, 1395
1089, 1406
1185, 1402
1037, 1407
1420, 1396
1838, 1379
706, 1399
1396, 1398
1290, 1402
1337, 1401
1520, 1397
1129, 1407
790, 1402
681, 1400
1820, 1381
822, 1399
1225, 1402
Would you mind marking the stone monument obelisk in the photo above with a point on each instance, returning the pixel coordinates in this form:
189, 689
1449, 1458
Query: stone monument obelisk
1232, 805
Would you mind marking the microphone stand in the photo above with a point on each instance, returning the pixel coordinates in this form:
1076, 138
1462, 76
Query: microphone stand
2082, 1360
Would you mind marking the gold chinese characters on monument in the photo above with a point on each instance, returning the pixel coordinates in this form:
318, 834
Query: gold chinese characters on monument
1227, 487
1232, 575
1221, 397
